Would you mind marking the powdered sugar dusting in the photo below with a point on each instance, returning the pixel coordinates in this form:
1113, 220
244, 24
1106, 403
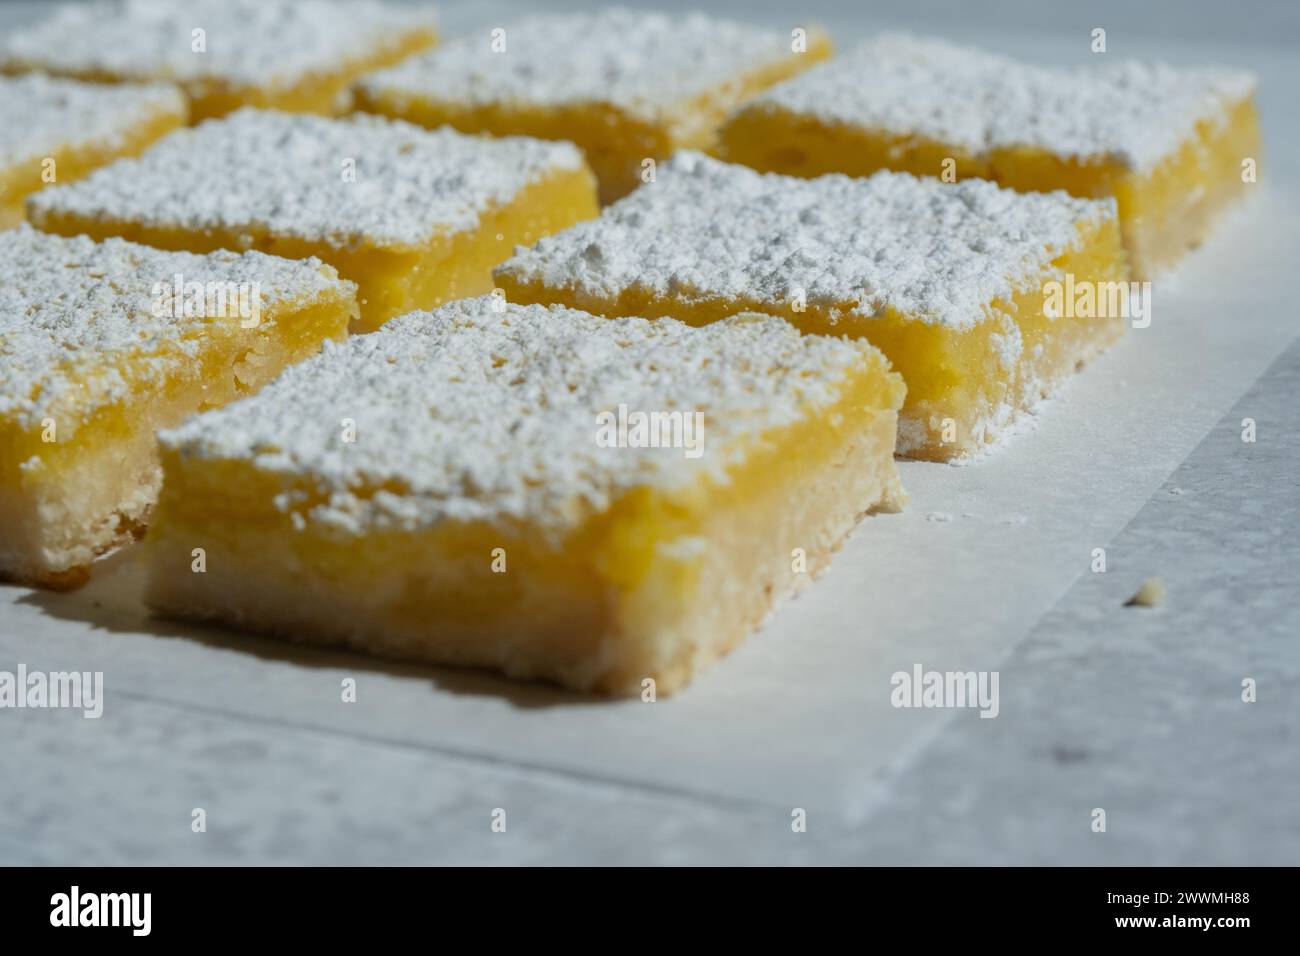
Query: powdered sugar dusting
262, 43
286, 175
40, 115
487, 411
705, 229
639, 61
908, 86
72, 310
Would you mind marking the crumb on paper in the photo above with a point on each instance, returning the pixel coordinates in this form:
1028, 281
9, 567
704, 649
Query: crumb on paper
1150, 594
940, 516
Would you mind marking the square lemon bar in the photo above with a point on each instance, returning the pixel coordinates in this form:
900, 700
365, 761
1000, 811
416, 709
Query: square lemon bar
530, 489
295, 55
1172, 146
414, 217
629, 87
950, 280
101, 345
55, 130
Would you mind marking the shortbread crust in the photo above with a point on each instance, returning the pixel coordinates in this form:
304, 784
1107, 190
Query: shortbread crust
946, 279
297, 55
1168, 143
415, 217
472, 516
56, 131
626, 86
95, 356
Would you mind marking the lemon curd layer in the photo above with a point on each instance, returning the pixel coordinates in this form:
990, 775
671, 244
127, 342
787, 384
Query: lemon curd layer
292, 55
102, 344
468, 520
628, 87
57, 131
1173, 147
948, 280
414, 217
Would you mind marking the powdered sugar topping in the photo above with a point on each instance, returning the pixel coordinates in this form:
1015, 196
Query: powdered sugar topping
362, 180
908, 86
642, 62
80, 321
487, 411
40, 115
261, 43
935, 251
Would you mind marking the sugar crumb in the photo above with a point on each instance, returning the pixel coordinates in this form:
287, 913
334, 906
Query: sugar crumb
1150, 594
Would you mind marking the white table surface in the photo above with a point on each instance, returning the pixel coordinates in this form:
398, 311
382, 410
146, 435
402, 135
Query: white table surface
1137, 711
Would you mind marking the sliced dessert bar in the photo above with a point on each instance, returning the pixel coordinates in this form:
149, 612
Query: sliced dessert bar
102, 344
1168, 144
56, 131
535, 490
296, 55
414, 217
949, 280
627, 86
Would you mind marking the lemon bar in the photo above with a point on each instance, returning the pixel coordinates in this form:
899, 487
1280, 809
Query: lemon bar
1172, 146
102, 344
949, 280
55, 130
629, 87
530, 489
294, 55
414, 217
